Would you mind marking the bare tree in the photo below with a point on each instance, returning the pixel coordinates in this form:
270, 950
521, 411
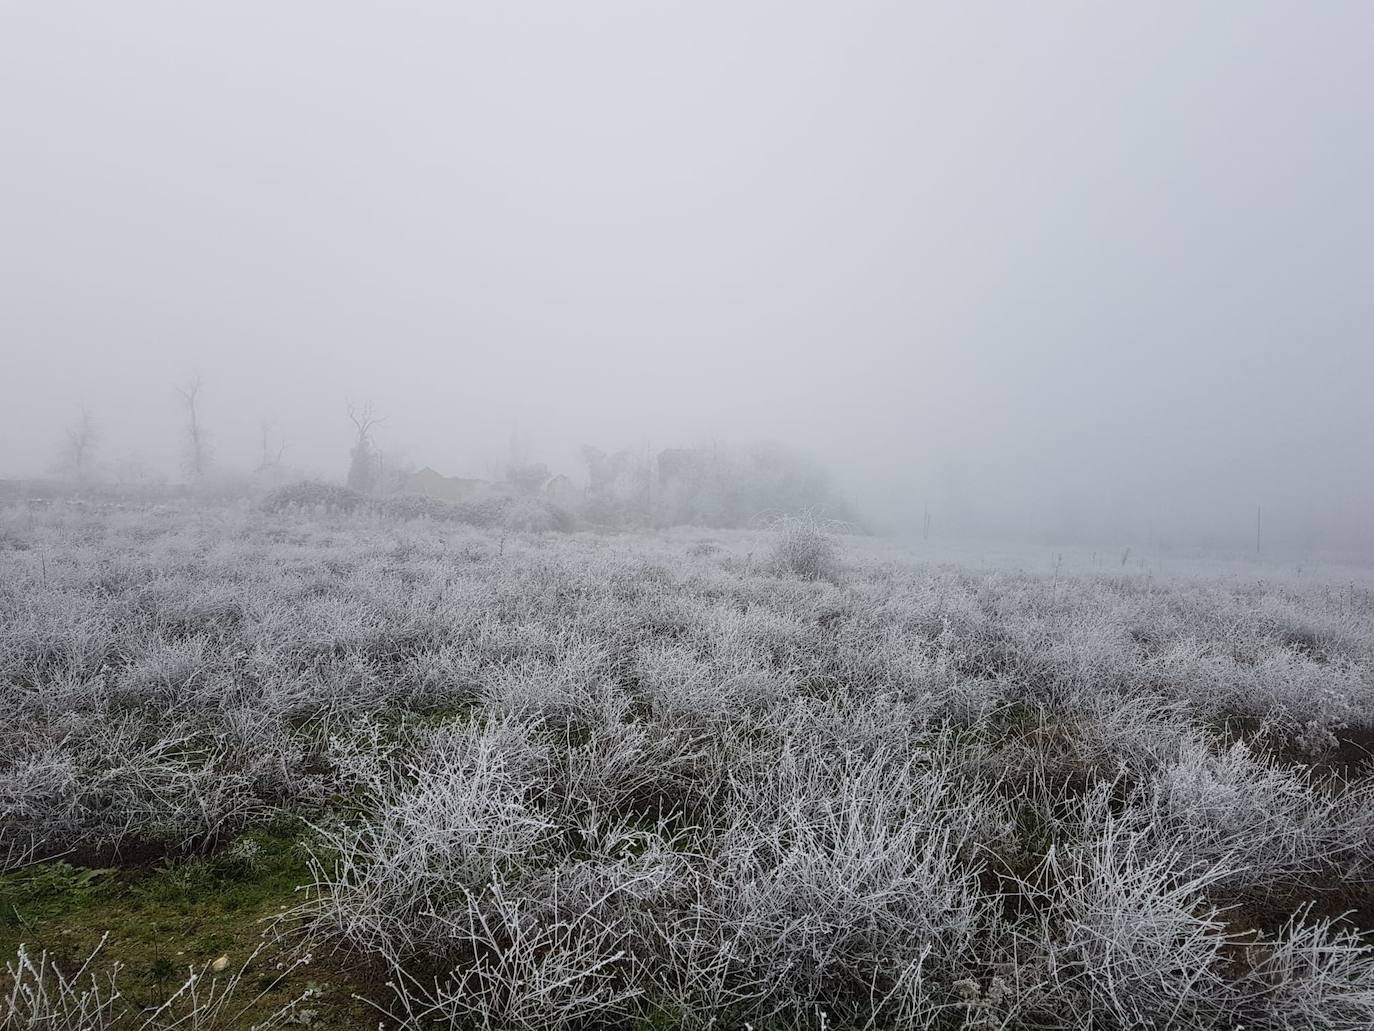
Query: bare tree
197, 444
81, 441
270, 458
363, 460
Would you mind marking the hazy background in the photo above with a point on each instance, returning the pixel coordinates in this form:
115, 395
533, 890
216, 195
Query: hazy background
1083, 271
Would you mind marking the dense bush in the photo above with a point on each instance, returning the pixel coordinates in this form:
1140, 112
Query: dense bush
310, 495
512, 513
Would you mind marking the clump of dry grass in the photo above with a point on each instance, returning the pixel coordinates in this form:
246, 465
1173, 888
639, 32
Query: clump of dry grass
211, 997
807, 547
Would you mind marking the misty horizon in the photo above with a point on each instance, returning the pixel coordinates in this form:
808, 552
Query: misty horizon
1088, 276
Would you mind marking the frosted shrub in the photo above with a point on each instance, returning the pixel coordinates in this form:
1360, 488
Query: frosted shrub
805, 547
554, 950
1136, 736
1261, 821
111, 786
685, 691
1129, 937
528, 974
570, 691
826, 875
1313, 976
439, 826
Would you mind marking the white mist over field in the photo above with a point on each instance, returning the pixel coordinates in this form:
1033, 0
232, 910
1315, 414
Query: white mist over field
1088, 273
624, 515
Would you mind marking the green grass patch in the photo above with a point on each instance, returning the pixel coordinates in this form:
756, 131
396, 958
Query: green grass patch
159, 922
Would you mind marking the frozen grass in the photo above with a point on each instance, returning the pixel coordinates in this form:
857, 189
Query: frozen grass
782, 777
212, 997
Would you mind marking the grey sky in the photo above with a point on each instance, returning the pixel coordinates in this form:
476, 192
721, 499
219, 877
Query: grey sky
1039, 264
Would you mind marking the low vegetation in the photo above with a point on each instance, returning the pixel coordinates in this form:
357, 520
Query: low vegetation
495, 777
499, 512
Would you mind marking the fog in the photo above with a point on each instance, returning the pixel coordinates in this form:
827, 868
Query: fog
1081, 272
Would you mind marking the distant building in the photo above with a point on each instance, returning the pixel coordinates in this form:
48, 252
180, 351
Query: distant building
430, 484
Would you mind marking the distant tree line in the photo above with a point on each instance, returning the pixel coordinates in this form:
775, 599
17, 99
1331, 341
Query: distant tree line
715, 485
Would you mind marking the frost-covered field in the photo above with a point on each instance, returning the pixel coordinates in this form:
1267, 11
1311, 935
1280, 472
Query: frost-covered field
677, 779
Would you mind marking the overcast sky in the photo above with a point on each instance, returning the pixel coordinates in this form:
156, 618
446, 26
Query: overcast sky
1034, 264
